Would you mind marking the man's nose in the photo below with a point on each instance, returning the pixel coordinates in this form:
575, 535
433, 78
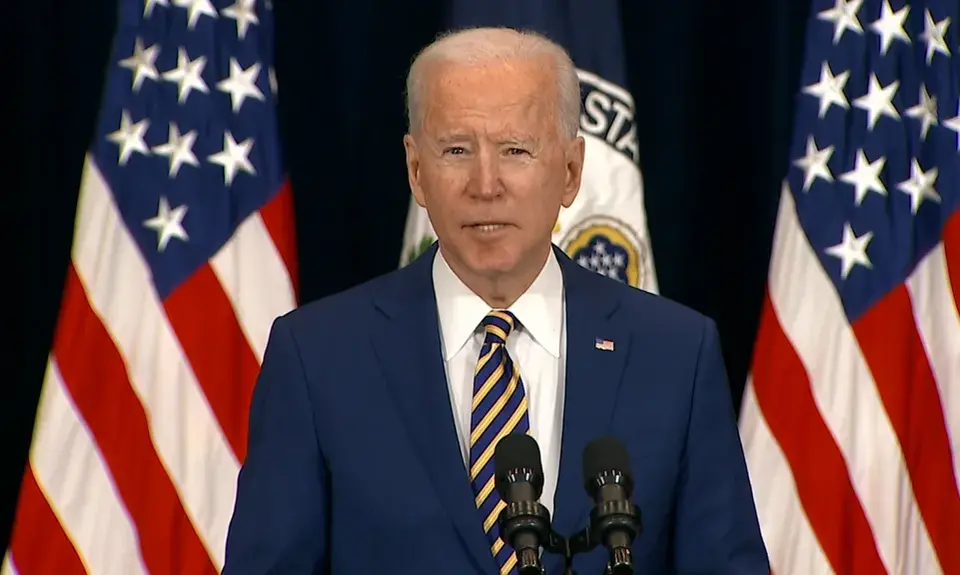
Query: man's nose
487, 181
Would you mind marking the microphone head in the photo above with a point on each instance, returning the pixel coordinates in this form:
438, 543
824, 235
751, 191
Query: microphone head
606, 461
517, 458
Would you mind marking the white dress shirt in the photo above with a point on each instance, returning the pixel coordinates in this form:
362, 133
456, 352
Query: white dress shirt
536, 347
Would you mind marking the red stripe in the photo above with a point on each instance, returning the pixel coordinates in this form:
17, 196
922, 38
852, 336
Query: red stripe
95, 377
38, 545
784, 395
894, 351
278, 218
216, 348
951, 252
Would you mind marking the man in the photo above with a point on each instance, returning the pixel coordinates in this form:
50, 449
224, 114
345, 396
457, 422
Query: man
377, 410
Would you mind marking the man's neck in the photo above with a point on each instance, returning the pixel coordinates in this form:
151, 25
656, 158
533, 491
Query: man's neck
500, 291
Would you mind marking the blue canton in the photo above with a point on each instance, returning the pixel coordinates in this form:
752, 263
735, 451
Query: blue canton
876, 154
187, 139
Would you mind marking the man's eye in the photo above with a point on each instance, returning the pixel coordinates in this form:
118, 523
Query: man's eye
455, 150
516, 151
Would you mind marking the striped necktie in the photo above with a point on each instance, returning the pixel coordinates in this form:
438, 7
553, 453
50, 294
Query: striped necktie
499, 408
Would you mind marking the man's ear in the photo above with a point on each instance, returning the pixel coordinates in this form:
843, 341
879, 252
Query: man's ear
413, 168
574, 172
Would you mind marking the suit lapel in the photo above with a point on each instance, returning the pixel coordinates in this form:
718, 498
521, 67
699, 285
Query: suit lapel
593, 378
407, 344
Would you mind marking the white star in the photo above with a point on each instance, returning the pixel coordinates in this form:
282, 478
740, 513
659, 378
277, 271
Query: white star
243, 12
954, 124
130, 137
168, 224
179, 149
844, 17
890, 26
851, 250
149, 4
195, 9
142, 63
233, 157
865, 177
933, 35
878, 101
814, 164
829, 89
241, 84
187, 74
925, 111
920, 186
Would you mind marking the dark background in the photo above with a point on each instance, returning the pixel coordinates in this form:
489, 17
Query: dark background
714, 84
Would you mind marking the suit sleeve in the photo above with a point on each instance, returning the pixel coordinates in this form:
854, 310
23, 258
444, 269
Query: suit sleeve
279, 522
717, 530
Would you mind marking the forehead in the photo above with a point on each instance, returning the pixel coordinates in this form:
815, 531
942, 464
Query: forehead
499, 92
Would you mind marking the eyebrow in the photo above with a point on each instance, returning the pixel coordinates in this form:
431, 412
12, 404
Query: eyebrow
526, 139
520, 139
453, 138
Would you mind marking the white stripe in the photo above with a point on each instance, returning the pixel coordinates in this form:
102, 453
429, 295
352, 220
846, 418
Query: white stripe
813, 320
791, 543
78, 486
8, 568
185, 431
255, 279
935, 313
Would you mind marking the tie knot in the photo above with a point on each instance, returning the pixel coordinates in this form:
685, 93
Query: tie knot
498, 325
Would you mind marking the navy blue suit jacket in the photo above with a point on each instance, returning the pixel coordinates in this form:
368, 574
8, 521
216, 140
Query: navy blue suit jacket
353, 465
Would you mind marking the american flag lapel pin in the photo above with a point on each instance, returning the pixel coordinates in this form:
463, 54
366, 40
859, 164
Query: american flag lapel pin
604, 344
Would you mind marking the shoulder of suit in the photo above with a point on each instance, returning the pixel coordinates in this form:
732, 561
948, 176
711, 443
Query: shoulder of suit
643, 308
349, 306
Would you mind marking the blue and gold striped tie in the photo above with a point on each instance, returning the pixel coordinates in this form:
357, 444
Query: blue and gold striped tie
499, 408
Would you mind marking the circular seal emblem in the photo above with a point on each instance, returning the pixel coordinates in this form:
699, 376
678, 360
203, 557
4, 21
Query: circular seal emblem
607, 246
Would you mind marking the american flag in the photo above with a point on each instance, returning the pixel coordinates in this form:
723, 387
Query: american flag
183, 254
851, 418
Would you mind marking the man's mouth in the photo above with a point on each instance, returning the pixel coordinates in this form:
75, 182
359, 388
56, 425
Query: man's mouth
488, 227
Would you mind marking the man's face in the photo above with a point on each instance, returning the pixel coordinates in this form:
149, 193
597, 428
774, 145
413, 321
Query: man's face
490, 165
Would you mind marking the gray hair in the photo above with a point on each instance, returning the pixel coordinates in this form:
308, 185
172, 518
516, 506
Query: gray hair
481, 44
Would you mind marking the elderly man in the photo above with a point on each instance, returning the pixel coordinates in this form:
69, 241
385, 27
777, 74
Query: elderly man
377, 410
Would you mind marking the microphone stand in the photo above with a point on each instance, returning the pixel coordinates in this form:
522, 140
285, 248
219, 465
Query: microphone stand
582, 542
568, 548
559, 545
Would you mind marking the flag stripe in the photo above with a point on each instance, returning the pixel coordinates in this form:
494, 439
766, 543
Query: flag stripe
95, 377
812, 318
951, 254
278, 218
905, 383
72, 472
938, 324
40, 544
783, 393
782, 516
183, 428
8, 568
212, 340
258, 293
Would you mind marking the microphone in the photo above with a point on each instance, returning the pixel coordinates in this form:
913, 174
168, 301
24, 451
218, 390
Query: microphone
615, 520
524, 522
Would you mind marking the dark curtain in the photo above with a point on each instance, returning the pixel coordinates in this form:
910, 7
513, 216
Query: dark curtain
714, 84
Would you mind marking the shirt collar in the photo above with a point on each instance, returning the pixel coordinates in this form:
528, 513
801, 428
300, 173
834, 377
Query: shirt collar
539, 310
